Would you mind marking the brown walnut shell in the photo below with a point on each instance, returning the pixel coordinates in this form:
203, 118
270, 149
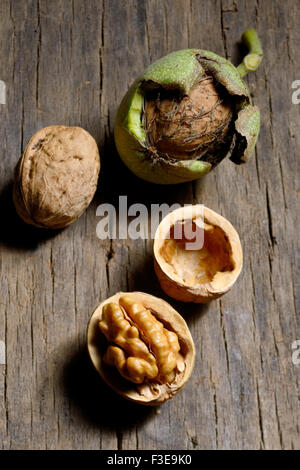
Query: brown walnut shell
148, 393
187, 127
56, 177
201, 273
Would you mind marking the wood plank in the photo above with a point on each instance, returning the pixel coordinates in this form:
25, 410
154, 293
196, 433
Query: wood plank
70, 63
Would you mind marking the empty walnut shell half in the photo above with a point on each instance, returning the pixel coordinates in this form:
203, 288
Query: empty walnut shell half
56, 177
141, 347
197, 254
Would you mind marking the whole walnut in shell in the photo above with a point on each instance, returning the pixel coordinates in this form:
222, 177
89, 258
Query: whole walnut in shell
56, 177
141, 347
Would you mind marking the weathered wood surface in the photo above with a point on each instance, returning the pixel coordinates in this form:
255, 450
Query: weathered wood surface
70, 62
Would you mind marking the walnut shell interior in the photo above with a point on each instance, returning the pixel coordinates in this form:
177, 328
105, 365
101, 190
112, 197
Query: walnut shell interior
56, 177
203, 260
151, 392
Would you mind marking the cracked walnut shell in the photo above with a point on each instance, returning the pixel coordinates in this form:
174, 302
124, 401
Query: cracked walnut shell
197, 254
141, 347
56, 177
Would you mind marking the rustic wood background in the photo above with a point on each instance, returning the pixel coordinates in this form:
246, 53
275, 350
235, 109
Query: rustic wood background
70, 62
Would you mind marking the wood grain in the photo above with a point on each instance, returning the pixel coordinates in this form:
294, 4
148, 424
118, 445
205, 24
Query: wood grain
70, 62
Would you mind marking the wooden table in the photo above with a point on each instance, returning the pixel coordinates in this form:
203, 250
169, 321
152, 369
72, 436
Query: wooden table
70, 62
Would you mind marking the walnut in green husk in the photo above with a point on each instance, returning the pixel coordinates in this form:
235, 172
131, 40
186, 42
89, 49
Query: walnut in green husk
187, 112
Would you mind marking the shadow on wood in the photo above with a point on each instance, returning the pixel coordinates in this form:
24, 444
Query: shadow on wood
239, 52
98, 403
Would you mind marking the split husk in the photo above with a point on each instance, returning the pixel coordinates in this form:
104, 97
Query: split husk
150, 393
205, 270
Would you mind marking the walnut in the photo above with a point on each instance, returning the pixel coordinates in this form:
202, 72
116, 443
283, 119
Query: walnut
148, 354
56, 177
197, 254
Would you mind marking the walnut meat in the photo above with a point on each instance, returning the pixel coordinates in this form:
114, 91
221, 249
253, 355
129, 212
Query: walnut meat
141, 347
56, 177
